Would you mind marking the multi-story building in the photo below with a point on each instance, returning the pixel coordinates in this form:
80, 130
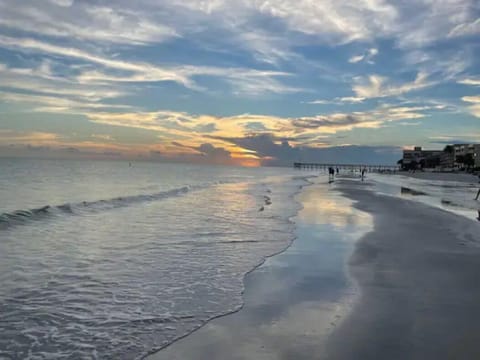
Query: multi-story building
461, 151
453, 156
447, 160
422, 158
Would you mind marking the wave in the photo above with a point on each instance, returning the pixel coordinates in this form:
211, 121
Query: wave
20, 217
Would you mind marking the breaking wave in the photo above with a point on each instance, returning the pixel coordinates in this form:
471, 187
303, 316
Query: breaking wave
20, 217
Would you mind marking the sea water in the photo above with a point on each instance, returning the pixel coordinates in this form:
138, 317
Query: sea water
100, 259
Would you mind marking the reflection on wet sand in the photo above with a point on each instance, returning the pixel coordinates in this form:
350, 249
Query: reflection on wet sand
453, 196
329, 208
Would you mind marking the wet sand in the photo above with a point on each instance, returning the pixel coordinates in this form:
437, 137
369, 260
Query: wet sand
418, 272
446, 176
416, 294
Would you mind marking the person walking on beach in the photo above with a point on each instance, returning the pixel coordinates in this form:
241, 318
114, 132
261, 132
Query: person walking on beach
331, 174
363, 174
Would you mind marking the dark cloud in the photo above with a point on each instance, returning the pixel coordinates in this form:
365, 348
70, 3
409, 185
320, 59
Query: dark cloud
324, 121
206, 153
215, 154
278, 152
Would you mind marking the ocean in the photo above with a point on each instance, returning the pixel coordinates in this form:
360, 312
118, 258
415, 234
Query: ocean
100, 259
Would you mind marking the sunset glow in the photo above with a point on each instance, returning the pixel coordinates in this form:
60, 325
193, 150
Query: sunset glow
263, 83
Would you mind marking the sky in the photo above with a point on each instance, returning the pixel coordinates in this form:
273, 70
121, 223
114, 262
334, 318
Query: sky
238, 82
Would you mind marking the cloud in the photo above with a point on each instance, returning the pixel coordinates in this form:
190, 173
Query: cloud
472, 99
277, 151
31, 44
217, 155
41, 80
82, 21
62, 151
367, 56
308, 130
473, 82
338, 101
466, 29
65, 3
105, 137
425, 22
243, 80
375, 86
206, 138
205, 153
115, 65
356, 59
206, 128
351, 99
454, 139
335, 120
410, 24
475, 108
335, 21
320, 102
375, 118
28, 137
54, 104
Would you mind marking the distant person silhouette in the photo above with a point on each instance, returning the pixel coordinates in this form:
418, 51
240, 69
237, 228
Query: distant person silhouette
363, 174
331, 174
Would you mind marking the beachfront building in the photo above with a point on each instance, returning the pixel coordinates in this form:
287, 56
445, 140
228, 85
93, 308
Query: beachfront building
466, 155
456, 156
447, 160
419, 158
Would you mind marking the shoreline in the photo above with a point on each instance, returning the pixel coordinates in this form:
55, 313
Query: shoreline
414, 288
303, 290
152, 354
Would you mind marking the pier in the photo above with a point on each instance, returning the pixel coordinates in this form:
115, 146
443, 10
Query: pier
350, 167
